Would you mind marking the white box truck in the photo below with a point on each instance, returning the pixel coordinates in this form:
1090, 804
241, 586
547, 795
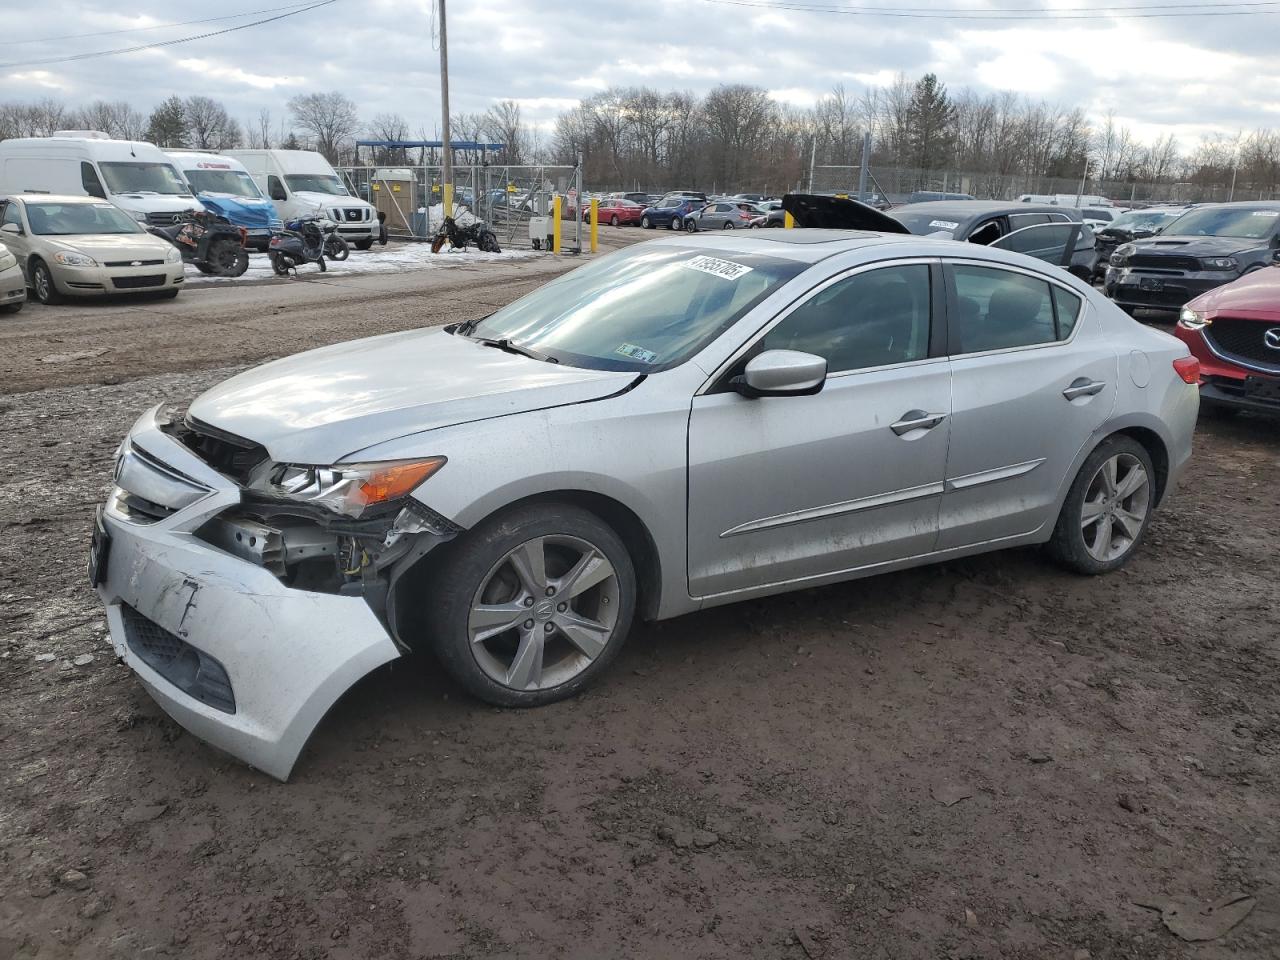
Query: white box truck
301, 183
133, 175
223, 186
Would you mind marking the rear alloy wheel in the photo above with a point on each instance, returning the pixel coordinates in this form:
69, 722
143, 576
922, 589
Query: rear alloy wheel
728, 225
1107, 509
533, 605
613, 221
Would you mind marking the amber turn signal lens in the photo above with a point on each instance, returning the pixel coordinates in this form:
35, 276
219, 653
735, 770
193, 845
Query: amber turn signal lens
393, 481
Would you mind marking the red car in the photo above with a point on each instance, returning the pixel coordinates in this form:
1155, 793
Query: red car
615, 211
1234, 331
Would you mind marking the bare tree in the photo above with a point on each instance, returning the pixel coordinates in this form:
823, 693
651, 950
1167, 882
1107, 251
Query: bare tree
209, 126
260, 135
505, 125
331, 118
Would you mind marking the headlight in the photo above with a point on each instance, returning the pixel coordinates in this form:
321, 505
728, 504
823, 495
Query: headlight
1121, 255
139, 216
1220, 263
74, 259
173, 256
352, 488
1188, 319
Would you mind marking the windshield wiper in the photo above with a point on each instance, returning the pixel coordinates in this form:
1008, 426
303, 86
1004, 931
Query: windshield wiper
503, 343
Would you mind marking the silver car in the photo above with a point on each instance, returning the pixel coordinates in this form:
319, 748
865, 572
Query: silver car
685, 423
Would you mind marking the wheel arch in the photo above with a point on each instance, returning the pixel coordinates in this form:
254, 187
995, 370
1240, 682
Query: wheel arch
1156, 449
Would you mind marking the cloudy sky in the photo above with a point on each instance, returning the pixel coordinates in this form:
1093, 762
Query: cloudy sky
1187, 75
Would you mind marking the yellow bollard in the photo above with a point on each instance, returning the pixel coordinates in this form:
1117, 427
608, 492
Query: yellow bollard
788, 220
555, 224
595, 224
447, 200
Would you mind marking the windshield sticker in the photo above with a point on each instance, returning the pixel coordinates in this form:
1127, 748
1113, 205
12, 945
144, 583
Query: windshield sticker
725, 269
1267, 213
944, 224
639, 353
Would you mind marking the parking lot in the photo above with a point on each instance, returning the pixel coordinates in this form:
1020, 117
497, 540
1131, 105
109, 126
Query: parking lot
989, 758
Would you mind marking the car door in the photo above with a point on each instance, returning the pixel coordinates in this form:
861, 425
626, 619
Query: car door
1032, 376
1053, 243
784, 489
19, 243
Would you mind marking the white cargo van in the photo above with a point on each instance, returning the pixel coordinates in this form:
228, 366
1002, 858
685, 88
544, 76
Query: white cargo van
225, 187
301, 183
133, 175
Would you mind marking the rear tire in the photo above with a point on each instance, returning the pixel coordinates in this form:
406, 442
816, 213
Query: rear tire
489, 569
280, 264
1107, 510
613, 221
676, 223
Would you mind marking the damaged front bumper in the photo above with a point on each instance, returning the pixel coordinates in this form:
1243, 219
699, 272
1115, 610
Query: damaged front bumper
227, 648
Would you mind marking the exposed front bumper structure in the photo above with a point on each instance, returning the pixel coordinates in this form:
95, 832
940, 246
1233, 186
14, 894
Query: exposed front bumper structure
180, 609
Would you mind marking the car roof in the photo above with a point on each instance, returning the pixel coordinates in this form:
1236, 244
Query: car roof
977, 208
53, 198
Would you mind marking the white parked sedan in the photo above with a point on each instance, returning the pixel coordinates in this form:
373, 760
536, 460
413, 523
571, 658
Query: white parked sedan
83, 246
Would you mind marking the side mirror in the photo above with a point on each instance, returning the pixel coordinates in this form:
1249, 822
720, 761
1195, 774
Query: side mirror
12, 228
1275, 255
781, 373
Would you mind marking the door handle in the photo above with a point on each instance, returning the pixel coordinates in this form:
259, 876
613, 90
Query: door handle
1083, 387
917, 420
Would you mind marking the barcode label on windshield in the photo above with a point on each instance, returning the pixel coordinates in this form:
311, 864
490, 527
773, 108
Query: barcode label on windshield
944, 224
725, 269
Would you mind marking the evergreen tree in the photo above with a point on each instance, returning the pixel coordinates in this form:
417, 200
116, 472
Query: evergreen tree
168, 124
930, 118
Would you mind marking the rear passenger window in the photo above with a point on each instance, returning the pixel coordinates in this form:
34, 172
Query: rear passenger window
1066, 306
999, 309
868, 320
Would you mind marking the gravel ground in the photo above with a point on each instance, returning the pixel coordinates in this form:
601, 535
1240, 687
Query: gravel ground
989, 758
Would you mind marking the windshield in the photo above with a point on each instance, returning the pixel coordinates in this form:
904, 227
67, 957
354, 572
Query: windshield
639, 309
235, 182
316, 183
143, 178
69, 219
924, 223
1225, 222
1145, 220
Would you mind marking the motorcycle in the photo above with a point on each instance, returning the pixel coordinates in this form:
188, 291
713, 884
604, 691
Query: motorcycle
209, 241
302, 241
476, 233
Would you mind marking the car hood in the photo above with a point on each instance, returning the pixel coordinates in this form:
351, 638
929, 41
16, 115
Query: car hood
1197, 246
241, 211
111, 246
327, 201
321, 406
1257, 295
838, 213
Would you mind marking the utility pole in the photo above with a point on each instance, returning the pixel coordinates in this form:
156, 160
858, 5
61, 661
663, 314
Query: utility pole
446, 153
813, 158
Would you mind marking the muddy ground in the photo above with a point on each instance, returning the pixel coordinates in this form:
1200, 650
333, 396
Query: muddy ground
991, 758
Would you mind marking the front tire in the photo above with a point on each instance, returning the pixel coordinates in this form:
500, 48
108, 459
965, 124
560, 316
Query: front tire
365, 244
1107, 509
646, 223
42, 284
613, 221
11, 308
532, 605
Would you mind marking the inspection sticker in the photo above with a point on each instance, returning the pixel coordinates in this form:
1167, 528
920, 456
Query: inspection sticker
943, 224
1267, 213
725, 269
638, 353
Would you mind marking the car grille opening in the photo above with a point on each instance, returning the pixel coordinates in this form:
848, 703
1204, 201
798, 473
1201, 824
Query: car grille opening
192, 671
1163, 262
134, 283
132, 263
1246, 339
232, 456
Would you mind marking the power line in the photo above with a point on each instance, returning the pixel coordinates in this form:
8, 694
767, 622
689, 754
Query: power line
157, 26
976, 15
164, 43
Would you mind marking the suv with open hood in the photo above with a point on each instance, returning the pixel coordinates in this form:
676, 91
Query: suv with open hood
1204, 248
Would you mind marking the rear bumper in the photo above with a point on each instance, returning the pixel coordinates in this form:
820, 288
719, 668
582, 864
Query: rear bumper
288, 654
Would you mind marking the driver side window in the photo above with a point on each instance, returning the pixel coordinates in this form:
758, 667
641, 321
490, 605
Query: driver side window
868, 320
11, 215
89, 180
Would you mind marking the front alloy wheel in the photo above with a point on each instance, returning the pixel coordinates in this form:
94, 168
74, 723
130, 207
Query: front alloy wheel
528, 607
544, 613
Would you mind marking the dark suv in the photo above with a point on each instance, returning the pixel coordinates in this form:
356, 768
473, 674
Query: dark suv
1204, 248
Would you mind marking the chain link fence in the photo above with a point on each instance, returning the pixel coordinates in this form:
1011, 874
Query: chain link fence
897, 184
516, 201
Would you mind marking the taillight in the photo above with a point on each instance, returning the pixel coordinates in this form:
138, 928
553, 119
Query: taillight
1188, 368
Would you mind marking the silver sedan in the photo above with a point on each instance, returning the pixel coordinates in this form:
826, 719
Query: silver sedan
685, 423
